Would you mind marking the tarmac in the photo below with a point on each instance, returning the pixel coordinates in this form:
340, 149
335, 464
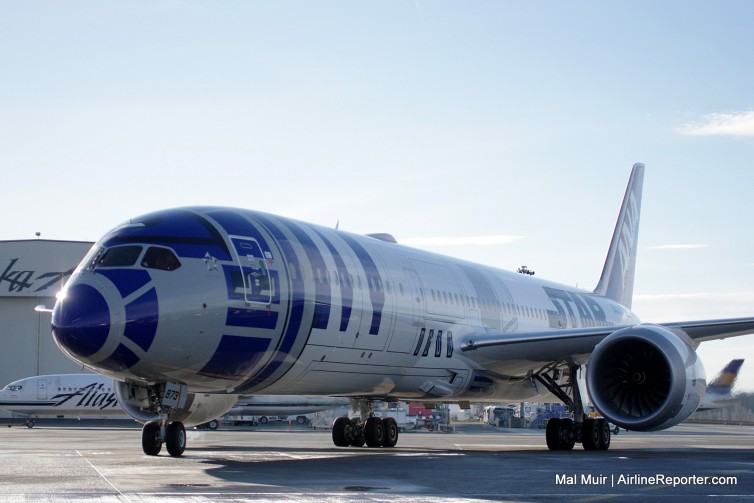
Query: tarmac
82, 462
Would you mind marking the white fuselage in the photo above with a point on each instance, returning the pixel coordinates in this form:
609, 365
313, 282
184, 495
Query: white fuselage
61, 395
235, 301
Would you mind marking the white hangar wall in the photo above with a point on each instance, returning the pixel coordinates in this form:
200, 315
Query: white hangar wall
31, 273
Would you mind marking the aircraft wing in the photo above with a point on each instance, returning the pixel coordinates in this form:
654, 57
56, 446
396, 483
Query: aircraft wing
491, 346
710, 330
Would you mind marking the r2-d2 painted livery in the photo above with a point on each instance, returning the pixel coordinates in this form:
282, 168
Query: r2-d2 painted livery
227, 301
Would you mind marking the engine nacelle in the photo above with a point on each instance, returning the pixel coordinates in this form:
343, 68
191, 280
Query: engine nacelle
199, 408
646, 378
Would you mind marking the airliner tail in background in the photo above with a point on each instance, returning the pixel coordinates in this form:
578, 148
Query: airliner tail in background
720, 390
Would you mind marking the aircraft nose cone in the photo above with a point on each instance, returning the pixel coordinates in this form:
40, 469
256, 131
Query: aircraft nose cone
81, 321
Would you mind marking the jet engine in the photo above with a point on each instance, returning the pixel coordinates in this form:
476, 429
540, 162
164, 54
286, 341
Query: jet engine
138, 402
646, 378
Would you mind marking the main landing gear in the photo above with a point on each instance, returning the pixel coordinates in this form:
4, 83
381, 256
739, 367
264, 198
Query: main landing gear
563, 433
368, 429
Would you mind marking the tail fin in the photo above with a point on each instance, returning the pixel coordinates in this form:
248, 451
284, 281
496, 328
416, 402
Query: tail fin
617, 280
723, 384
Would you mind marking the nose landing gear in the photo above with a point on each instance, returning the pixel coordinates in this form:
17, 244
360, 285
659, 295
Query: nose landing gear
155, 433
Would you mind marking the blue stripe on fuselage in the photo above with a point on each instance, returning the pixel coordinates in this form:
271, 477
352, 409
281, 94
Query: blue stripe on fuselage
346, 289
374, 281
234, 223
322, 297
295, 318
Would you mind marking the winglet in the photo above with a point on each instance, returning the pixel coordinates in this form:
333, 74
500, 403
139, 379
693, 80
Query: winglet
617, 280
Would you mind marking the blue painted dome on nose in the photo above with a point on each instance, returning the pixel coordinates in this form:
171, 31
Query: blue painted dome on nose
81, 321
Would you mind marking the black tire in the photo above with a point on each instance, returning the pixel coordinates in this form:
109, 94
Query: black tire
175, 438
391, 432
567, 440
213, 425
30, 423
604, 429
590, 434
263, 420
301, 419
552, 434
355, 434
150, 438
374, 432
339, 426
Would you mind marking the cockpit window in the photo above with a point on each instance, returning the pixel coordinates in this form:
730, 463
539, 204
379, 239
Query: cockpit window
118, 256
160, 258
14, 387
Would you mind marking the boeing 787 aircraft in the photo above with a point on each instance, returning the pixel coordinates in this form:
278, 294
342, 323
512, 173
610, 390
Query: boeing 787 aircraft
225, 301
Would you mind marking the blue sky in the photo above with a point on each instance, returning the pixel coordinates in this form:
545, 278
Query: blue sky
515, 122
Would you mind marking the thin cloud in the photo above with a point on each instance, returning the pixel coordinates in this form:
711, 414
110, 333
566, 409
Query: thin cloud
721, 124
460, 241
678, 247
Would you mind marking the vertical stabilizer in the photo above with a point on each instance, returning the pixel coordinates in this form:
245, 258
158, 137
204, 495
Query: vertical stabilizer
617, 280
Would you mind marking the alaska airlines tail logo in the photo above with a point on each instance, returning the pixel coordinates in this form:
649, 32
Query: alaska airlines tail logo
92, 396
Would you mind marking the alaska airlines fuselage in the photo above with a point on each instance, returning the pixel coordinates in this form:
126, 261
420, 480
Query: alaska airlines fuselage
235, 301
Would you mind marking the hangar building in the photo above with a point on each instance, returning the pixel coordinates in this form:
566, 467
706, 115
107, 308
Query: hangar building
31, 273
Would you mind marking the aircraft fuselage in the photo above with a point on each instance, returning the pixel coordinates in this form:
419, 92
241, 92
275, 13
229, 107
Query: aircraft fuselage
234, 301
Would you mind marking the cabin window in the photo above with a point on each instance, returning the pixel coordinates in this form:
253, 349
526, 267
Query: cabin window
118, 256
160, 258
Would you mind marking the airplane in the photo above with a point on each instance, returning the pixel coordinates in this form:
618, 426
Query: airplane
225, 301
61, 395
94, 395
720, 391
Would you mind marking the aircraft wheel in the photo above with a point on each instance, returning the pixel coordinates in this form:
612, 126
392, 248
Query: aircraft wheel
552, 434
339, 427
374, 432
391, 432
263, 420
30, 423
214, 424
150, 438
355, 434
604, 429
591, 434
175, 438
565, 434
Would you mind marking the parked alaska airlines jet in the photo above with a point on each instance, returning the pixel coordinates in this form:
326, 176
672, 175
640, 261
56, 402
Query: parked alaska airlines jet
94, 395
226, 301
61, 395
